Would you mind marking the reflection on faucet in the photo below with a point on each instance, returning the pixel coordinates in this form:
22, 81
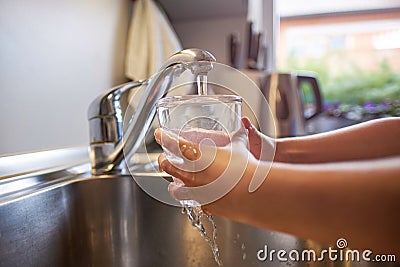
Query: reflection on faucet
106, 113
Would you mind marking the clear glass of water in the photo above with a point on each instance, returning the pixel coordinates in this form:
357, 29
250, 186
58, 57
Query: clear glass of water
193, 117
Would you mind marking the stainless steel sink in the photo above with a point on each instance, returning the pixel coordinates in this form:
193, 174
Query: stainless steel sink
62, 216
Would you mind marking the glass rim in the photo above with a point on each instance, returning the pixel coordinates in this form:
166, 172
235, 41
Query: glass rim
166, 101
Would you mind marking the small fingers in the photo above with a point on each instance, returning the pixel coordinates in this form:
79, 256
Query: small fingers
190, 151
168, 141
254, 138
247, 123
160, 159
249, 126
188, 178
181, 192
177, 145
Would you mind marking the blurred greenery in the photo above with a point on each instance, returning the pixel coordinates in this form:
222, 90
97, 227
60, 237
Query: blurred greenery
352, 84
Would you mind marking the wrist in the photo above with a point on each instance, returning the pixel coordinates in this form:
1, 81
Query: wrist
288, 150
234, 203
281, 151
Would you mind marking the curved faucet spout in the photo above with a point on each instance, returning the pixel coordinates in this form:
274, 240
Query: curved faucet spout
106, 113
196, 60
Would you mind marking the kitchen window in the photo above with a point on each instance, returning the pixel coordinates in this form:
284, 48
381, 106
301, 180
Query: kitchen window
353, 46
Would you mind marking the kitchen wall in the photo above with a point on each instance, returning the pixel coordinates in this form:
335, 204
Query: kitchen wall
207, 25
212, 34
55, 58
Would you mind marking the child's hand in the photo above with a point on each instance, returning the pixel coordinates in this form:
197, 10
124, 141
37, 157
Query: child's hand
206, 169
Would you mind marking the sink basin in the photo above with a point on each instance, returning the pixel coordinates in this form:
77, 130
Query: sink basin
66, 217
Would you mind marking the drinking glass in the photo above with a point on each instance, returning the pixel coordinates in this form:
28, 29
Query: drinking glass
200, 117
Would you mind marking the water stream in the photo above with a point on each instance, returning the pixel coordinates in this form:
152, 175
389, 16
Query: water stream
201, 84
192, 208
195, 215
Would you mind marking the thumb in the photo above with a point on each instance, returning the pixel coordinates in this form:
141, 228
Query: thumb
252, 131
241, 135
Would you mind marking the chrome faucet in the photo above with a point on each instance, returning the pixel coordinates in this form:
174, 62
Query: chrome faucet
109, 136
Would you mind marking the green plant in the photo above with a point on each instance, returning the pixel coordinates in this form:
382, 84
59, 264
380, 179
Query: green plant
352, 85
